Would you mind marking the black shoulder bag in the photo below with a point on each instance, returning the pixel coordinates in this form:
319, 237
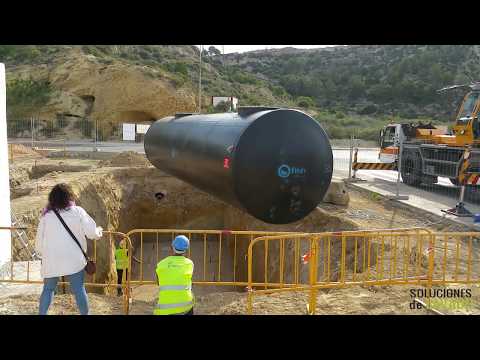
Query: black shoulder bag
90, 268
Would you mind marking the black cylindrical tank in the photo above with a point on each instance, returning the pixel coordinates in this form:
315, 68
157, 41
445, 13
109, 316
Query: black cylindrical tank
274, 163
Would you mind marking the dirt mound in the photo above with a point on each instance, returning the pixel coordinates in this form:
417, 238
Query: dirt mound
21, 150
126, 159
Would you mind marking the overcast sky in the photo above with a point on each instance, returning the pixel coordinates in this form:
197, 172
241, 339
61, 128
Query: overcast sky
243, 48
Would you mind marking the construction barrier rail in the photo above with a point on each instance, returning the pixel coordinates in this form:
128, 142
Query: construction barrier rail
374, 166
220, 256
371, 166
269, 262
19, 269
360, 258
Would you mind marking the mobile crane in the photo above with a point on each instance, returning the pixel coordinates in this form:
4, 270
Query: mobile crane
429, 151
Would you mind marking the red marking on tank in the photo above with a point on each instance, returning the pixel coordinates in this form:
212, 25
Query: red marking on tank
226, 163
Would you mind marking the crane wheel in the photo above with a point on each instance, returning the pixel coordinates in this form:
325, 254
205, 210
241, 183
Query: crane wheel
411, 169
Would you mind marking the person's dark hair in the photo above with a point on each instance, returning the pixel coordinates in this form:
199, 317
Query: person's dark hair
60, 197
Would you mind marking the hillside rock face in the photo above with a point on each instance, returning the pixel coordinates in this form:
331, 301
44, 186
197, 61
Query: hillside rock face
112, 93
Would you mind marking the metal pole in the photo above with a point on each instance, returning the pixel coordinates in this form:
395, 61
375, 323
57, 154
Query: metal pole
397, 196
350, 161
96, 134
399, 165
462, 194
200, 82
31, 128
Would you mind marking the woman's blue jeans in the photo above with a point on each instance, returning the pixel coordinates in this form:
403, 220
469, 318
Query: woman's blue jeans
76, 286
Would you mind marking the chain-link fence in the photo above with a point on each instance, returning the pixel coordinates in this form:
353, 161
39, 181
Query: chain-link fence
432, 177
62, 128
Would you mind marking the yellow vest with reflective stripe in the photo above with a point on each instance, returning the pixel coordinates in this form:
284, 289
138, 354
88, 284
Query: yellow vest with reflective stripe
121, 258
175, 286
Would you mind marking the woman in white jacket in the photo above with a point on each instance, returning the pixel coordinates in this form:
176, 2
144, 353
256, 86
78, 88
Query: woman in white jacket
61, 256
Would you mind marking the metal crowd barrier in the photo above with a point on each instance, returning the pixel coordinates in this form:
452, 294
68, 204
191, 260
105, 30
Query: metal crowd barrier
222, 254
270, 262
9, 276
360, 258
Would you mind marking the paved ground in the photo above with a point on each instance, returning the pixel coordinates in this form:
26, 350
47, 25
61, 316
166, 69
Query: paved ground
84, 145
432, 198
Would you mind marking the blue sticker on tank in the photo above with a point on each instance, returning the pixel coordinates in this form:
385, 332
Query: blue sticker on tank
284, 171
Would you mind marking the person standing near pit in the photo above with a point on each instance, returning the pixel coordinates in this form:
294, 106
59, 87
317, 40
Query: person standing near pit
61, 225
174, 278
121, 261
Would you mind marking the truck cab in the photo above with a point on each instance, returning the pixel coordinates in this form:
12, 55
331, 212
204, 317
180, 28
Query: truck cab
390, 138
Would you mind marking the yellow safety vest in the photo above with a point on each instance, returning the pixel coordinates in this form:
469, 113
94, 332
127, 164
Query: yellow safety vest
121, 258
175, 286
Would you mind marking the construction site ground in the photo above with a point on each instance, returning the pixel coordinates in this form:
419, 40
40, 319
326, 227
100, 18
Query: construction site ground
367, 210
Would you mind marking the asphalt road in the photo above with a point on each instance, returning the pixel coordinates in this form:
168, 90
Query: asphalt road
80, 145
341, 159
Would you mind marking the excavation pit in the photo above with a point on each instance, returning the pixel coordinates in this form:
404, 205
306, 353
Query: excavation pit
127, 199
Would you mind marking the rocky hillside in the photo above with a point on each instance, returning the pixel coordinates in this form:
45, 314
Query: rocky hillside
350, 89
117, 83
369, 79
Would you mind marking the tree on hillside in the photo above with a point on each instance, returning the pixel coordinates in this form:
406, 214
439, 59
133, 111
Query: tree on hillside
305, 102
213, 51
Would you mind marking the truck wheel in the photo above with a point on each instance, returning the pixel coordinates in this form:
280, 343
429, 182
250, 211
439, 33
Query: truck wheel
454, 181
411, 169
429, 179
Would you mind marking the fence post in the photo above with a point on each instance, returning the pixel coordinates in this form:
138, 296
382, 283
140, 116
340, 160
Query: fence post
460, 210
32, 129
313, 277
431, 266
353, 160
397, 195
250, 277
350, 160
96, 135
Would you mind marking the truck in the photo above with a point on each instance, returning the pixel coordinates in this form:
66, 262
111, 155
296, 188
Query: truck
430, 151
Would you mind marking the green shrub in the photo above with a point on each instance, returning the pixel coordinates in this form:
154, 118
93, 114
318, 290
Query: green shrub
368, 109
24, 97
305, 102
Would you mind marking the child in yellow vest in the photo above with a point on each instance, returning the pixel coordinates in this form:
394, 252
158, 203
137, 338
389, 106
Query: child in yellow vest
122, 264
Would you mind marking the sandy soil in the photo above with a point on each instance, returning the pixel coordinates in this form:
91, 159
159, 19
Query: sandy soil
368, 212
349, 301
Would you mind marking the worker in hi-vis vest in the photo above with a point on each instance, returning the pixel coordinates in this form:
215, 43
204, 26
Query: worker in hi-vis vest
174, 277
122, 263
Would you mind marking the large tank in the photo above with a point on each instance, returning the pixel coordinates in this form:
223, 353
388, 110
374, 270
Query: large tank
274, 163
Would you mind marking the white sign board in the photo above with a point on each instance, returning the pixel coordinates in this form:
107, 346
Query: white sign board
218, 99
142, 128
5, 215
129, 132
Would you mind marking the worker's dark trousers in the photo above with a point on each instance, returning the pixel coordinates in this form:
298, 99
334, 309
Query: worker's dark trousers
186, 313
119, 282
190, 312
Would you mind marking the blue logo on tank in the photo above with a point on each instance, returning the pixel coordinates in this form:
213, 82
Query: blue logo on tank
284, 171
